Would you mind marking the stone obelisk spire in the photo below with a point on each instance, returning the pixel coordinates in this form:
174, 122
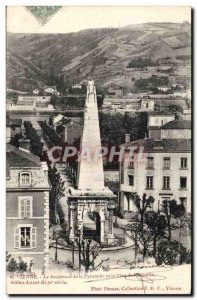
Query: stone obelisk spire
90, 171
90, 194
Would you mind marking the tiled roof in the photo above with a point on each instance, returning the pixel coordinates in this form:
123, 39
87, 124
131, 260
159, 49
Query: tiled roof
18, 161
161, 145
20, 158
177, 124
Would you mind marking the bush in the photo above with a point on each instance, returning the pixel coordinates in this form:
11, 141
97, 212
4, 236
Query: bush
22, 266
172, 253
12, 265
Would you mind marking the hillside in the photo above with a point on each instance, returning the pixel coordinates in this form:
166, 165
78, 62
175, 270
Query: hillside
104, 54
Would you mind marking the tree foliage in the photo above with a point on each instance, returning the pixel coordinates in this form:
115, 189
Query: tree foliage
35, 139
171, 253
55, 194
141, 62
143, 237
170, 209
151, 82
157, 224
89, 250
15, 139
13, 266
114, 127
142, 203
50, 132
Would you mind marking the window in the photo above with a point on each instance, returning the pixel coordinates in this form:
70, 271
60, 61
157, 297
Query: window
131, 180
166, 182
149, 182
183, 182
25, 236
25, 207
183, 201
166, 163
150, 162
25, 178
131, 164
183, 162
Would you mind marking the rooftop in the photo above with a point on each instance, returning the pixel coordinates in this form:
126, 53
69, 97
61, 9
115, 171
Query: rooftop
18, 161
177, 124
161, 145
161, 113
19, 158
13, 122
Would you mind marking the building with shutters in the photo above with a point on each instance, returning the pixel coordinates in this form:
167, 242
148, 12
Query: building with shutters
27, 208
160, 167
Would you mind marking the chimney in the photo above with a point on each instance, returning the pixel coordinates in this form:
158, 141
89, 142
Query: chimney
45, 168
127, 138
24, 144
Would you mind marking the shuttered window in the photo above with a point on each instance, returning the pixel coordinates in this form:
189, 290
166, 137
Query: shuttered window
24, 237
33, 238
16, 237
25, 207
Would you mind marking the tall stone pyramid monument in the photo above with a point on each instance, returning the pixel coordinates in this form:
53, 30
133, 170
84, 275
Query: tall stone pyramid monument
90, 194
90, 173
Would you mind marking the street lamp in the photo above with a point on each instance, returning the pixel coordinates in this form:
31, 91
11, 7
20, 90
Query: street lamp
56, 235
73, 253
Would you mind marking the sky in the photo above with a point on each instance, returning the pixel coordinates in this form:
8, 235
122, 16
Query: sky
72, 19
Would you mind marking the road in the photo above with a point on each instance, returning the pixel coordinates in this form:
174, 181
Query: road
115, 258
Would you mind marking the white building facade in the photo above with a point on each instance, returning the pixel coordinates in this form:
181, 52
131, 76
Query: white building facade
162, 171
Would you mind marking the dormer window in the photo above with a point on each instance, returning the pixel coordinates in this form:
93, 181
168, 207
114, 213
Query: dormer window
150, 162
25, 178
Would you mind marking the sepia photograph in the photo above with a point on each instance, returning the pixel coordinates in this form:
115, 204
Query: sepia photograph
99, 150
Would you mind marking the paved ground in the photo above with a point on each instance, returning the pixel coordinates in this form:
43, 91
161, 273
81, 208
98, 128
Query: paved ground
113, 258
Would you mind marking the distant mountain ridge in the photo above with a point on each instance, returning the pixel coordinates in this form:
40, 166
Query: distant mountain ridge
104, 54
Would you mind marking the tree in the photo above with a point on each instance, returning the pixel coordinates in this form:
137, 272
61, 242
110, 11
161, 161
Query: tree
146, 239
180, 214
142, 204
55, 194
171, 253
51, 134
157, 225
143, 237
133, 235
15, 139
22, 266
170, 208
89, 250
35, 139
